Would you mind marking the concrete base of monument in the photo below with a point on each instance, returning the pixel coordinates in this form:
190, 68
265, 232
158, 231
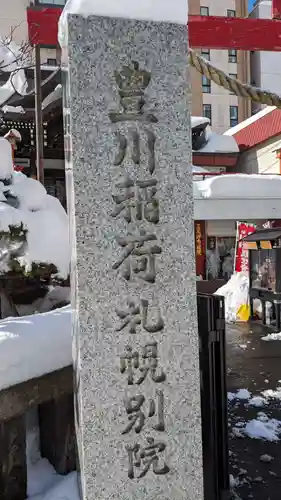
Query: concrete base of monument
254, 395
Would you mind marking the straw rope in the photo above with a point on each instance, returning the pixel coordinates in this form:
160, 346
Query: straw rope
238, 88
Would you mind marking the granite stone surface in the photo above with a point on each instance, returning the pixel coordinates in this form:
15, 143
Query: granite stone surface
133, 276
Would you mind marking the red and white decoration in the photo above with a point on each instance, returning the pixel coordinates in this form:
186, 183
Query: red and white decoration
241, 253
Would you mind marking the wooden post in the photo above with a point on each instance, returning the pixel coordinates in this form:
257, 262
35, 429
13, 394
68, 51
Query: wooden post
13, 473
57, 433
38, 117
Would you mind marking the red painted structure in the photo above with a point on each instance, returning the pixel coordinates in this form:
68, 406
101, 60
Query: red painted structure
276, 9
204, 31
264, 128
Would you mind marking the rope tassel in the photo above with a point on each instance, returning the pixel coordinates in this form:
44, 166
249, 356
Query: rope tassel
238, 88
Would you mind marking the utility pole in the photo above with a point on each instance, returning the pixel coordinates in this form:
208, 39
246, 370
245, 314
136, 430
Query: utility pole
38, 115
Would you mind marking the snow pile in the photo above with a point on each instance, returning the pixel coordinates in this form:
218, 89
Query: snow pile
58, 487
271, 394
235, 293
196, 121
272, 336
41, 214
158, 10
241, 186
219, 144
263, 428
257, 401
31, 346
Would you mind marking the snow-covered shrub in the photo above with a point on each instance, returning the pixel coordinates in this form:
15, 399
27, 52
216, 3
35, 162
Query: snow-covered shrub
34, 242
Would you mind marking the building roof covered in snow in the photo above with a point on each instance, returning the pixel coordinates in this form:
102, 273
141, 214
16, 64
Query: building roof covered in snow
237, 196
206, 141
239, 186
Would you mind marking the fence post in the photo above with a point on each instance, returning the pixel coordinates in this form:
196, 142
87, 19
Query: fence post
13, 472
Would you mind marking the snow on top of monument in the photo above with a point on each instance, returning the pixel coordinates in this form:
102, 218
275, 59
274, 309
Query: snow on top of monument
31, 346
42, 214
239, 186
148, 10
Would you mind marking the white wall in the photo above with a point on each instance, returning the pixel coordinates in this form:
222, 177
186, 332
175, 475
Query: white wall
242, 209
261, 159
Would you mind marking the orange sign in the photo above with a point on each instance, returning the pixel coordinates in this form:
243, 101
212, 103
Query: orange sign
198, 239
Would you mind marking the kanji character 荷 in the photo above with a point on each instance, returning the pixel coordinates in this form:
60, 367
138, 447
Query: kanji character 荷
138, 255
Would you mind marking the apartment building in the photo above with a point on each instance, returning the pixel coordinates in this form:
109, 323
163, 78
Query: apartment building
265, 66
208, 99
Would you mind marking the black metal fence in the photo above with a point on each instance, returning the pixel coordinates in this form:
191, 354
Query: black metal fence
211, 326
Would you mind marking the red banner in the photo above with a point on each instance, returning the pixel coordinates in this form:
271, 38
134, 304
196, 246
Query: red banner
241, 253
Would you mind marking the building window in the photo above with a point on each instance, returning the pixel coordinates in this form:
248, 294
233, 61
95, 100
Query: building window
233, 114
51, 62
206, 54
206, 85
232, 56
204, 11
231, 13
207, 111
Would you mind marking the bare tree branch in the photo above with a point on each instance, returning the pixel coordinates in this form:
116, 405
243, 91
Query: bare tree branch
22, 57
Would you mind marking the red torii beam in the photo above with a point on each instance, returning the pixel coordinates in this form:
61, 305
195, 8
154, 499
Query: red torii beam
204, 31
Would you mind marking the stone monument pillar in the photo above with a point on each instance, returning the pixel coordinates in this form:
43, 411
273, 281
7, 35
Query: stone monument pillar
128, 163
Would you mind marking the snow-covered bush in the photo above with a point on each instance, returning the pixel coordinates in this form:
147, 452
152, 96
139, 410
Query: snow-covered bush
34, 242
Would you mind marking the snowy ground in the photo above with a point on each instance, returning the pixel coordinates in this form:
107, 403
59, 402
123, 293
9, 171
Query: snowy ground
254, 398
43, 482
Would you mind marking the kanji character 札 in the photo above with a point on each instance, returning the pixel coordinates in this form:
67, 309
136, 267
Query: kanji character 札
140, 196
146, 456
143, 262
138, 315
136, 415
130, 362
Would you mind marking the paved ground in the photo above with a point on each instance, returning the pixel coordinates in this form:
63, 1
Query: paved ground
255, 365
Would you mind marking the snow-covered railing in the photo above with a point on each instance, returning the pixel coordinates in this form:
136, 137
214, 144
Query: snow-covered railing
35, 372
52, 394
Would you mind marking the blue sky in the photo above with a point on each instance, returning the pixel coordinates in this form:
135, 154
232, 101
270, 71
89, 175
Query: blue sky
251, 4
